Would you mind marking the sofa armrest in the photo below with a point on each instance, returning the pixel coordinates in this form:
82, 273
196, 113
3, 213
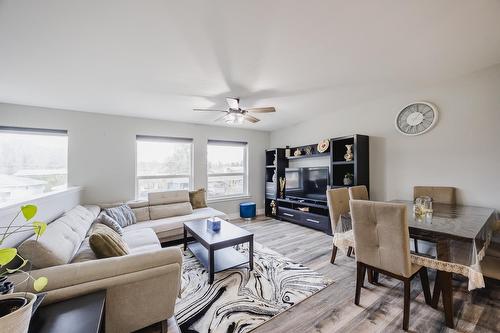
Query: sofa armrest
78, 273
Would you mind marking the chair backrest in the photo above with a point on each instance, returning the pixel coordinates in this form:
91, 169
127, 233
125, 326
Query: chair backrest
338, 204
381, 235
439, 194
358, 193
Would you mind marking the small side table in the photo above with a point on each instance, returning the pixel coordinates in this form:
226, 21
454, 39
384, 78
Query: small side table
248, 210
83, 314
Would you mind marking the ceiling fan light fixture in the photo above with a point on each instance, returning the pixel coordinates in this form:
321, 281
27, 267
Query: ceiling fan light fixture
234, 118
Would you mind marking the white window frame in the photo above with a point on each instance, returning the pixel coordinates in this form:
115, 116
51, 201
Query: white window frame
38, 131
164, 176
244, 173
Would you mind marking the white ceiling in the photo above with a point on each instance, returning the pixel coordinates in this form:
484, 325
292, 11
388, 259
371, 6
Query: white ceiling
160, 59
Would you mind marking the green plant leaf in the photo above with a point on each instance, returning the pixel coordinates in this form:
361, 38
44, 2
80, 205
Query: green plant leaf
6, 255
39, 228
29, 211
40, 283
11, 271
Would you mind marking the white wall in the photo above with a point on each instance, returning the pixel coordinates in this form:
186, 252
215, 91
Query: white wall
463, 150
102, 148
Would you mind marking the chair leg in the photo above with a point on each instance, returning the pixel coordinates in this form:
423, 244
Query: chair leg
415, 243
436, 293
334, 254
424, 279
349, 251
360, 278
406, 304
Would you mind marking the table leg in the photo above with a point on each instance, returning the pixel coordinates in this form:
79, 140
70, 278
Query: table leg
185, 239
444, 287
250, 253
211, 266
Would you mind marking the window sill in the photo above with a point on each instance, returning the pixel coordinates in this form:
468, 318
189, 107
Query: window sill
232, 198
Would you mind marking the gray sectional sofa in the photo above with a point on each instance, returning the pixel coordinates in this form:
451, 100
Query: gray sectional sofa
142, 286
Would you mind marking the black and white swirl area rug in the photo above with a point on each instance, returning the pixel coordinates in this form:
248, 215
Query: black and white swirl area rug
239, 300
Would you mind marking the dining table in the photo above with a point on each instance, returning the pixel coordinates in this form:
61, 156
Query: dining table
456, 239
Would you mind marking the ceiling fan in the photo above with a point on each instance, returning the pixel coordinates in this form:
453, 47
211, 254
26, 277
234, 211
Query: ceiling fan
236, 115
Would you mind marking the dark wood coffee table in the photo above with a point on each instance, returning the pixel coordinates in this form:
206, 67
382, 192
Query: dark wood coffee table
214, 249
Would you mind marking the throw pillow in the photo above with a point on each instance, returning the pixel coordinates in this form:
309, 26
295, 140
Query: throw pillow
122, 214
110, 222
197, 198
106, 243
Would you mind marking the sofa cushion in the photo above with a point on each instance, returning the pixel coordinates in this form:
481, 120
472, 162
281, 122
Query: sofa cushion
198, 198
141, 240
84, 253
168, 197
110, 222
138, 203
141, 214
110, 205
122, 214
175, 209
176, 222
60, 241
106, 243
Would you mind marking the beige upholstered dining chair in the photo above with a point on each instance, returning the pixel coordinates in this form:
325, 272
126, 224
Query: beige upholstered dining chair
358, 193
381, 242
338, 204
439, 194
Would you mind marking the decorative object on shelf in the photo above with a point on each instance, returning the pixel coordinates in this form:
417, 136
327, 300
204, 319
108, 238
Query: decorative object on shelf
304, 209
273, 178
348, 155
416, 118
213, 224
282, 187
274, 160
308, 150
288, 151
16, 308
348, 179
273, 207
323, 145
297, 152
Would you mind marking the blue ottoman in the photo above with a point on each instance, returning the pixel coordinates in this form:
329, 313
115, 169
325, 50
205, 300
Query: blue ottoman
247, 210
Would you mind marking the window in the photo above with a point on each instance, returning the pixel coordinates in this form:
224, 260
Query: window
227, 169
163, 164
33, 161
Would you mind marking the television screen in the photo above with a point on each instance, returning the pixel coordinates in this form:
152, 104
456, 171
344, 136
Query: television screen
307, 183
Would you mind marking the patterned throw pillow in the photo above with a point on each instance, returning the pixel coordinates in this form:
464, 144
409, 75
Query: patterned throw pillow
122, 214
106, 243
110, 222
197, 198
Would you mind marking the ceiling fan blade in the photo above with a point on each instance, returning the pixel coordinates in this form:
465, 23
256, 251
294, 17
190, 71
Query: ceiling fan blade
250, 118
262, 110
234, 103
209, 110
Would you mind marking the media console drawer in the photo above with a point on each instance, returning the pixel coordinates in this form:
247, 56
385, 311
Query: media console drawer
315, 221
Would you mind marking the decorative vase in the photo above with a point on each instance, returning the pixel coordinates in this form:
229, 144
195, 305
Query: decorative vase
348, 155
274, 177
287, 151
347, 181
18, 321
297, 152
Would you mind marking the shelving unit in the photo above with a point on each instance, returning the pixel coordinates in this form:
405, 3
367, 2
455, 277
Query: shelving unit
275, 165
317, 216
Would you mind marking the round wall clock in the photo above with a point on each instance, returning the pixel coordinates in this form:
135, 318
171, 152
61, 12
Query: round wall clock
416, 118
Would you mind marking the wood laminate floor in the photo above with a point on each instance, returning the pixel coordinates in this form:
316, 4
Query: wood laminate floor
381, 308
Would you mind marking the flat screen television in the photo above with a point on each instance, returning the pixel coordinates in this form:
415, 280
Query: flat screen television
307, 183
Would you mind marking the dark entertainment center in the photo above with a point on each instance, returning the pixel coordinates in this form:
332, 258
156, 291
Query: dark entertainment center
303, 206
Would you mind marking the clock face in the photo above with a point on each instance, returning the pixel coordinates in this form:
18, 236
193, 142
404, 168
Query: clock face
416, 118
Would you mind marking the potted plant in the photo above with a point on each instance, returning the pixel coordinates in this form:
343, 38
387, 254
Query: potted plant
348, 179
16, 308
